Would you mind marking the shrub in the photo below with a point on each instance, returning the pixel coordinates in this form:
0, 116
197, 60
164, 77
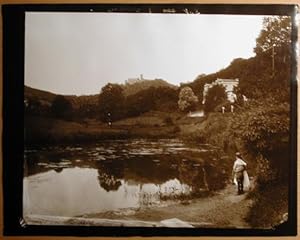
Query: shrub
187, 100
61, 107
214, 97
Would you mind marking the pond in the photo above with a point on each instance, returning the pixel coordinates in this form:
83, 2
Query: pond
115, 175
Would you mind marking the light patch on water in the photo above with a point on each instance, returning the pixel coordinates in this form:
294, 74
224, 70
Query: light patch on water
146, 151
42, 164
77, 191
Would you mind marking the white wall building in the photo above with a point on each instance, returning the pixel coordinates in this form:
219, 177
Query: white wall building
229, 85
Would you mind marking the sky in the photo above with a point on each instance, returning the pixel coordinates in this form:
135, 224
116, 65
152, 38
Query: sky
78, 53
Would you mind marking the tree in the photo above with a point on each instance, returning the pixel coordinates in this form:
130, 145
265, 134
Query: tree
276, 32
61, 107
274, 48
32, 106
187, 99
214, 97
111, 101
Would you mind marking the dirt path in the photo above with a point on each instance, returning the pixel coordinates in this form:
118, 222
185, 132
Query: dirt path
225, 209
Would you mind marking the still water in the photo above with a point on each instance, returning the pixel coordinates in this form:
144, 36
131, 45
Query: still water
114, 176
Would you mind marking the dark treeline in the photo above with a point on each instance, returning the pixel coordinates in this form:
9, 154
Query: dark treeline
112, 100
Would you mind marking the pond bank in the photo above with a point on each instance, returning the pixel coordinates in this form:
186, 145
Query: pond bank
225, 209
50, 130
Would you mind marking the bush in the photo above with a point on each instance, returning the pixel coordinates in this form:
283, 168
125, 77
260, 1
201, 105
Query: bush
225, 104
270, 204
61, 107
187, 100
214, 97
111, 102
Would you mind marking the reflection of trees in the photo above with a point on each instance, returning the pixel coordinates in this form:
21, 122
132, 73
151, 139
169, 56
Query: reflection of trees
148, 195
139, 170
202, 177
215, 175
108, 182
58, 169
191, 173
32, 165
110, 175
144, 170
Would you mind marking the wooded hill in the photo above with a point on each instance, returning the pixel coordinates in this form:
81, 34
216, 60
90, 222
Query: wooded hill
256, 76
77, 101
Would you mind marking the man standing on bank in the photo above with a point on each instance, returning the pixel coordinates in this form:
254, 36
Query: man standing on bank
240, 174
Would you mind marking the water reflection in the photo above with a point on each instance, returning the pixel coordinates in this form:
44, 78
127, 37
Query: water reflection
108, 176
110, 180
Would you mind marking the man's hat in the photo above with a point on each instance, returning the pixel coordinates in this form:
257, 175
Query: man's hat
238, 154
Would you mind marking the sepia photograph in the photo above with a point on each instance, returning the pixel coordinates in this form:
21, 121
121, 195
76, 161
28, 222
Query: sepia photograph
158, 119
140, 119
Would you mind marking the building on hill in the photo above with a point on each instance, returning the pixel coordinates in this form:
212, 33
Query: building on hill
140, 79
229, 85
135, 80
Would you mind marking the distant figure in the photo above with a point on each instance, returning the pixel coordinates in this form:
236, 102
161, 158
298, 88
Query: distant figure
240, 174
231, 108
223, 109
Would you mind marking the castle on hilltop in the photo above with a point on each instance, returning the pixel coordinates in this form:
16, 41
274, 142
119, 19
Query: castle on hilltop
140, 79
135, 80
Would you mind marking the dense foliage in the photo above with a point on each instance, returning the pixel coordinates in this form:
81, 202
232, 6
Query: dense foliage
141, 85
214, 97
153, 98
276, 32
187, 100
61, 107
111, 102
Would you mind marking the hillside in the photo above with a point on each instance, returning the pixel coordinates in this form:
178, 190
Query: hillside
32, 93
255, 81
48, 97
79, 102
133, 88
83, 100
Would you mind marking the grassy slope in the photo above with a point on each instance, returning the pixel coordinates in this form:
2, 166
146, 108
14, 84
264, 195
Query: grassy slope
49, 130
